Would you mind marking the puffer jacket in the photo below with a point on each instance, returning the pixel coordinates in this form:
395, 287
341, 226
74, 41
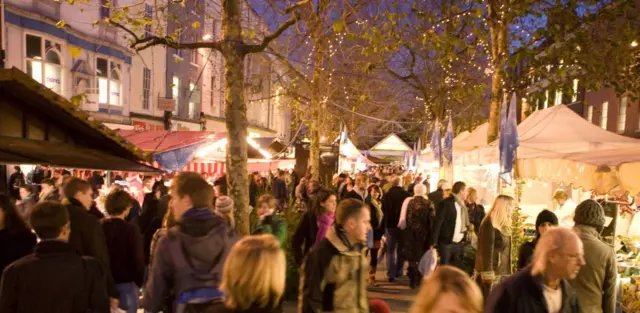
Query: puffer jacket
189, 257
334, 277
595, 284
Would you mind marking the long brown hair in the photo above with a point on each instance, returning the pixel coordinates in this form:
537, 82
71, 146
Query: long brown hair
321, 196
13, 222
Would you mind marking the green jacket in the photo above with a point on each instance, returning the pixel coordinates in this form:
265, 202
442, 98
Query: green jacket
274, 225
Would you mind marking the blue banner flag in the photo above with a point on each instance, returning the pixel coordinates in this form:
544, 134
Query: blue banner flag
436, 144
177, 159
448, 142
508, 139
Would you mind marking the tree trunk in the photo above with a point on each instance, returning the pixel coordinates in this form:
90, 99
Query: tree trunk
235, 115
316, 95
498, 31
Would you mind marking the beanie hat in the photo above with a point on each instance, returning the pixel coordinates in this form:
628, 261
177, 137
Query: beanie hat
419, 190
224, 204
589, 213
546, 216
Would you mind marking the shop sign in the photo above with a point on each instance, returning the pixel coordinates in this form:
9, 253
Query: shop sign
166, 104
140, 125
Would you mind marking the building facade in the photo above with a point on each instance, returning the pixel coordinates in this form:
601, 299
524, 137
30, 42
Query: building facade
92, 64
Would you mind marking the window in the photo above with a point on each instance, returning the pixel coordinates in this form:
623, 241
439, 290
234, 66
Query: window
546, 99
590, 113
574, 96
105, 8
558, 97
109, 82
622, 117
604, 115
194, 57
44, 62
146, 88
192, 104
148, 11
213, 91
175, 92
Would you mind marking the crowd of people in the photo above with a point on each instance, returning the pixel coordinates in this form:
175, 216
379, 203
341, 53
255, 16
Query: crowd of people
71, 251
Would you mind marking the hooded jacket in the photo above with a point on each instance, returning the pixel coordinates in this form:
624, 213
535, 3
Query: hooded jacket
334, 277
595, 284
189, 257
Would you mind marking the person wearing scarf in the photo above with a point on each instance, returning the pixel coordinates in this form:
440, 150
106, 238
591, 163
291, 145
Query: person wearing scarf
451, 226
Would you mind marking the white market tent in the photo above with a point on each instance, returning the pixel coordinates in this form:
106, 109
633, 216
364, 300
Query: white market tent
391, 145
558, 145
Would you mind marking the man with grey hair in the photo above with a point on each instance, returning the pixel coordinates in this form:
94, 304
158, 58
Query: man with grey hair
542, 287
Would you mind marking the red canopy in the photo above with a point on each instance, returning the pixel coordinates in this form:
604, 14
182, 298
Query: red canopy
160, 140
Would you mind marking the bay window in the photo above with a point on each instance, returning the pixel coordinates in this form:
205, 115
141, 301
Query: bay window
109, 82
44, 62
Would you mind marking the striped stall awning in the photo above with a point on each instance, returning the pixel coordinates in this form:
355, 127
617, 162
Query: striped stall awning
200, 167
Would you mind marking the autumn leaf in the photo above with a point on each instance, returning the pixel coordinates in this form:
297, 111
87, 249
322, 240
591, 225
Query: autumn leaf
75, 51
195, 24
61, 24
338, 26
252, 34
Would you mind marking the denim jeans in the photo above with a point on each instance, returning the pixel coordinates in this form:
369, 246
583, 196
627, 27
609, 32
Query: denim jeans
129, 293
395, 261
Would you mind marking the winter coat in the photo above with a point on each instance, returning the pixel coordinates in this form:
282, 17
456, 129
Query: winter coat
376, 221
87, 237
392, 205
125, 250
54, 279
189, 257
15, 245
304, 237
419, 221
595, 284
445, 222
493, 257
334, 277
274, 225
353, 194
436, 197
522, 293
525, 255
476, 215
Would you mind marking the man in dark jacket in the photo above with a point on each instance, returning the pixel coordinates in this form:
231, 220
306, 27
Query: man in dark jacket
438, 194
49, 191
359, 191
190, 258
451, 225
55, 278
543, 287
279, 190
595, 285
87, 236
253, 189
391, 207
334, 276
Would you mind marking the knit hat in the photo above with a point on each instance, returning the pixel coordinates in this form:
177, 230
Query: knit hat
546, 216
589, 213
224, 204
379, 306
419, 189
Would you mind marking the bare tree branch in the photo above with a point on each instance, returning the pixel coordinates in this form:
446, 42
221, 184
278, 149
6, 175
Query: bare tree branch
269, 38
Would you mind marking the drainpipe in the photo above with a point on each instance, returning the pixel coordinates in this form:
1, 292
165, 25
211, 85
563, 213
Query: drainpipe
2, 53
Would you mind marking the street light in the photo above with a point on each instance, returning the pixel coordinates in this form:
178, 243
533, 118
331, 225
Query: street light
634, 44
207, 37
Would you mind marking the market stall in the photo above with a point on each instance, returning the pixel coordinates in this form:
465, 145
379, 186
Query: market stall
351, 160
39, 127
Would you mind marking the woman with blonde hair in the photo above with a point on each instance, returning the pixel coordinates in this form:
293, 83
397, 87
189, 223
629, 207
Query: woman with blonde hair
493, 258
259, 289
448, 289
563, 207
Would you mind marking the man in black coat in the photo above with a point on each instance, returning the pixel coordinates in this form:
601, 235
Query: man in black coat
391, 207
450, 225
438, 194
359, 191
87, 236
279, 190
543, 287
55, 278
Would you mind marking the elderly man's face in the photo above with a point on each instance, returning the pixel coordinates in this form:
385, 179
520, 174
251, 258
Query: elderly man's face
568, 261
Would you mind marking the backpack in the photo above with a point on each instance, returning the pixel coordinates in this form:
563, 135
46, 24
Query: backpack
197, 299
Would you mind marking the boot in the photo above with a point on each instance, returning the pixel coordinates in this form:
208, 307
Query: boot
372, 276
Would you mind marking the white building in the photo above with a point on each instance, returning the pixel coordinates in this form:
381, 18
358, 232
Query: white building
123, 88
